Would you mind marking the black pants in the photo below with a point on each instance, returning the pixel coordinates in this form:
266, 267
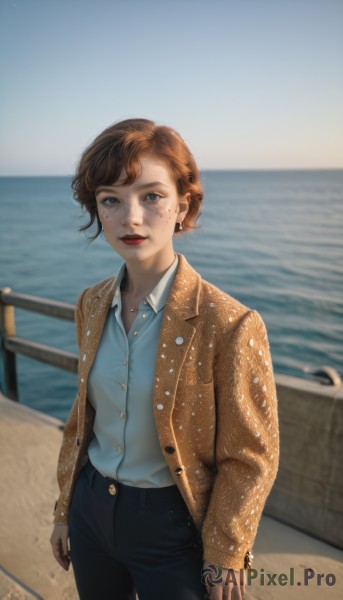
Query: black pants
137, 540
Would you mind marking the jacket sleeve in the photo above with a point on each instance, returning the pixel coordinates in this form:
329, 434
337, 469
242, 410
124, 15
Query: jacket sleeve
247, 443
69, 451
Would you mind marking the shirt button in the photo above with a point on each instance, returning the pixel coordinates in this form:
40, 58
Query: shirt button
123, 386
120, 449
122, 414
135, 333
124, 362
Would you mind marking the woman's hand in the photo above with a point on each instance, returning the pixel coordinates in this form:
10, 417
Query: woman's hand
59, 543
224, 584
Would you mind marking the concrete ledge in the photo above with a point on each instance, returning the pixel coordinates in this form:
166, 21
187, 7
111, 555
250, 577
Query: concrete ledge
308, 489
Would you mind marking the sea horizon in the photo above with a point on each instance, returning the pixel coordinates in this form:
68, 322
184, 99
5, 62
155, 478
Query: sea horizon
209, 169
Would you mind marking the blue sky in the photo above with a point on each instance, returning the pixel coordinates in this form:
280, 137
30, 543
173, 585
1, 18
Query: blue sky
249, 84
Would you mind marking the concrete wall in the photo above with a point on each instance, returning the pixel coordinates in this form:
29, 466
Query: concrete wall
308, 491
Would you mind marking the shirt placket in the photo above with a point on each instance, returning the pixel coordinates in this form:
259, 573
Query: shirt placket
123, 385
126, 346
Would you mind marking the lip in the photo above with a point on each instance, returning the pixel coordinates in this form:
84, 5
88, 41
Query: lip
133, 240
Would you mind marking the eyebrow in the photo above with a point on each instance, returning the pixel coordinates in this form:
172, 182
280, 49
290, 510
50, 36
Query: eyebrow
144, 186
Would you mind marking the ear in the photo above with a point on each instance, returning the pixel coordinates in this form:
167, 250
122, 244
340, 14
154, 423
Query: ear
183, 205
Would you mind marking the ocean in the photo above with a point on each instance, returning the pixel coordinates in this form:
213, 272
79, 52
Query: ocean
271, 239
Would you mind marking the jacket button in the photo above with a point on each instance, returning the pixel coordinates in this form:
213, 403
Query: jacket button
170, 449
112, 489
179, 470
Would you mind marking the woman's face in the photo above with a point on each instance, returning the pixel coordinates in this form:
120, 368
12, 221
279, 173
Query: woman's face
139, 219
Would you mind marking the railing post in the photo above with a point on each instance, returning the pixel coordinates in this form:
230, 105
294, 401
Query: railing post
7, 328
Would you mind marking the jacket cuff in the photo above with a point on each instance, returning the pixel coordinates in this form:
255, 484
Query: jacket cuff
60, 514
228, 561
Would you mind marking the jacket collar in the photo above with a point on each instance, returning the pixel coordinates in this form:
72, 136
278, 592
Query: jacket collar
183, 298
185, 291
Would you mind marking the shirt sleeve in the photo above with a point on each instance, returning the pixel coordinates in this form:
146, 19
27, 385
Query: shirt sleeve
247, 443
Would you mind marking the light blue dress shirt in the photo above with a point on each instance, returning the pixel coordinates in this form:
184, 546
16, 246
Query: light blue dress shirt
120, 387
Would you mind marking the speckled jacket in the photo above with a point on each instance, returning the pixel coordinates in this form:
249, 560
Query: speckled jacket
215, 409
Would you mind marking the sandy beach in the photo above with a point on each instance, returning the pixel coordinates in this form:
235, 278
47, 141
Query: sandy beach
29, 444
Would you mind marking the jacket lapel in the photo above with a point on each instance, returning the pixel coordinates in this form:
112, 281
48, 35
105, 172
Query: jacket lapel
97, 312
175, 340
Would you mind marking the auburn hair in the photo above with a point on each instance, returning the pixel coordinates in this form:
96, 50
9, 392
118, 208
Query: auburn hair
120, 146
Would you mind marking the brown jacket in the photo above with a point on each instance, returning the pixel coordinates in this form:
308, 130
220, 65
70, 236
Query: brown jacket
215, 409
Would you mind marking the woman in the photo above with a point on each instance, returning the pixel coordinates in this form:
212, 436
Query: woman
172, 445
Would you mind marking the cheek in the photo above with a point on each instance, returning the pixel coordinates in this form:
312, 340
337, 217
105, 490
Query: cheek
106, 216
165, 214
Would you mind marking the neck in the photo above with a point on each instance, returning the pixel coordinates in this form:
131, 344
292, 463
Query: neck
142, 277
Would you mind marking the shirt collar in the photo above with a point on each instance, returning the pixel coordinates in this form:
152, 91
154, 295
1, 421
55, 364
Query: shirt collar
158, 297
118, 279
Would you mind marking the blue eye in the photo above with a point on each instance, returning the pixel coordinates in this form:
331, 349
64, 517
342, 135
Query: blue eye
110, 201
153, 197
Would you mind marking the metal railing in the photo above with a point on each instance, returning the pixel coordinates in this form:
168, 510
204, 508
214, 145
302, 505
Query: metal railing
11, 345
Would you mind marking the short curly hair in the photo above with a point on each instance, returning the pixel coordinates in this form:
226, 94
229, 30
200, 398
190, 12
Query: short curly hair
120, 146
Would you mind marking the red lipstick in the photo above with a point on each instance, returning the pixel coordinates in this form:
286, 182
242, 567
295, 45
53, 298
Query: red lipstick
133, 240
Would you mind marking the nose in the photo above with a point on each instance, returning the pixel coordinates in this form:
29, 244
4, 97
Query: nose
132, 212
